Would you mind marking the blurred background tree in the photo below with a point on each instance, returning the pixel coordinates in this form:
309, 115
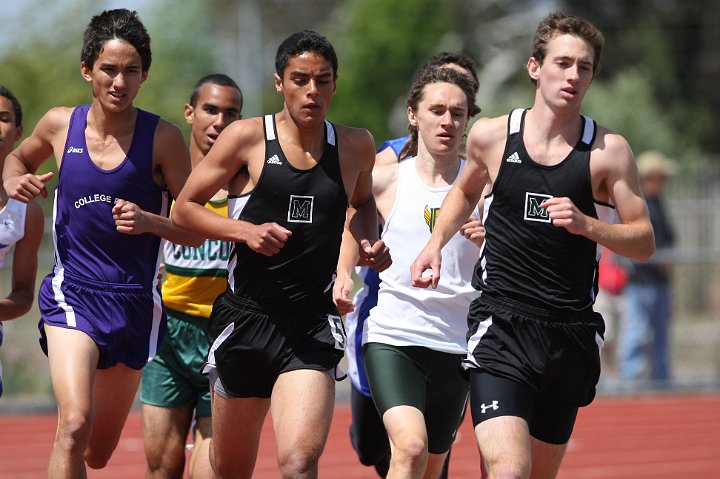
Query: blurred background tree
658, 78
379, 61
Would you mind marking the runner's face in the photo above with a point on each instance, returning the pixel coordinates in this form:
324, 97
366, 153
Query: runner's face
216, 107
307, 86
9, 133
441, 118
567, 72
116, 75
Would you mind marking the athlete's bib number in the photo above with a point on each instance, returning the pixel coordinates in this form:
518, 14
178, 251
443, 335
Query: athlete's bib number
338, 331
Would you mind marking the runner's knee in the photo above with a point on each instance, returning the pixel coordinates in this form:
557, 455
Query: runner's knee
96, 459
169, 462
298, 463
410, 450
73, 430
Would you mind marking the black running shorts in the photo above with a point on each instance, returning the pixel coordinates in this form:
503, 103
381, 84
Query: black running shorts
251, 345
551, 358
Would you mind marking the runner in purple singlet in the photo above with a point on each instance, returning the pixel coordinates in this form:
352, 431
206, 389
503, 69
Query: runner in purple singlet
101, 313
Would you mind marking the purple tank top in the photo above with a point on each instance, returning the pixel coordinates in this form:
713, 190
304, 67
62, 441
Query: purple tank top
87, 245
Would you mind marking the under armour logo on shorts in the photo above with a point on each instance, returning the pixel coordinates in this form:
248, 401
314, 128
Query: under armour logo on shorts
494, 406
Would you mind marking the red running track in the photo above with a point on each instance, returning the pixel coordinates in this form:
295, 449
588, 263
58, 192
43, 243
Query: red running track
667, 436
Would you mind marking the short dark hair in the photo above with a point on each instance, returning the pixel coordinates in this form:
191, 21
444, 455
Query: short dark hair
559, 23
121, 24
456, 58
15, 103
215, 79
301, 42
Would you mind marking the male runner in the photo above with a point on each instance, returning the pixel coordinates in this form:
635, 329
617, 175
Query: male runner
21, 224
534, 341
295, 182
101, 314
174, 392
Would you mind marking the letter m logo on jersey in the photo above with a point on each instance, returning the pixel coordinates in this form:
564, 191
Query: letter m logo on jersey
431, 216
300, 209
533, 212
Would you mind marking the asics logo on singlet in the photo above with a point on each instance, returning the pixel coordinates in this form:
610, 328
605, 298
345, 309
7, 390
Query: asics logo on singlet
493, 405
74, 149
274, 160
514, 158
533, 211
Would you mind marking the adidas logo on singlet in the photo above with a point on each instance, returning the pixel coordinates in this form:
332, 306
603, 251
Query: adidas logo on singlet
274, 160
514, 158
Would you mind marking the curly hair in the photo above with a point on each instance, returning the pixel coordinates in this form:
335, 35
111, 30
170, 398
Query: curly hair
121, 24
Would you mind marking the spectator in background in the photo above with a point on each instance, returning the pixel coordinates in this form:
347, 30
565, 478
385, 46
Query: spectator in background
612, 279
647, 295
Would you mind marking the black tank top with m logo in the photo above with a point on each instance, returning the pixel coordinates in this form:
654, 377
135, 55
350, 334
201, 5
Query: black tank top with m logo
312, 204
524, 256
